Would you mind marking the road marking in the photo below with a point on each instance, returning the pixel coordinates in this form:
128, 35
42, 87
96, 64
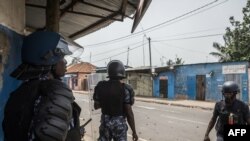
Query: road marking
153, 108
186, 120
140, 139
140, 112
149, 108
168, 111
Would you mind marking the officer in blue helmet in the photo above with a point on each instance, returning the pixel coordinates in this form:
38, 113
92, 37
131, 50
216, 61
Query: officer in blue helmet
115, 100
228, 111
43, 107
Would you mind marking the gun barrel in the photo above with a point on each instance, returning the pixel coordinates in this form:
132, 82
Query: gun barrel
87, 122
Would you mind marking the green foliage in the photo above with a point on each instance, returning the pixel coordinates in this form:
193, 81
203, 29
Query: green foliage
177, 61
236, 38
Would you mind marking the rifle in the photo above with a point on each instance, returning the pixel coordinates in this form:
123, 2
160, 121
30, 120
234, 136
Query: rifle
82, 127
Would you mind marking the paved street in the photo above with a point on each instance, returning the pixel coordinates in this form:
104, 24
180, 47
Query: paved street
155, 122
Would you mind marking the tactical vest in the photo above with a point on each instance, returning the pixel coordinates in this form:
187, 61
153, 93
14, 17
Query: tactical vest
236, 109
111, 97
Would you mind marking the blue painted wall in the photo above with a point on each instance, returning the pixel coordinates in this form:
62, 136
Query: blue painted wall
171, 80
14, 59
183, 81
156, 89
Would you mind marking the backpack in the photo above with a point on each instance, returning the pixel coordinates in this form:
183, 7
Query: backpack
19, 111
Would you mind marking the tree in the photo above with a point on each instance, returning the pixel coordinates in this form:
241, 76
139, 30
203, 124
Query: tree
236, 38
170, 62
178, 61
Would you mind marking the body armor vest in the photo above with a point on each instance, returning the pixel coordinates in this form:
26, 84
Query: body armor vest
112, 98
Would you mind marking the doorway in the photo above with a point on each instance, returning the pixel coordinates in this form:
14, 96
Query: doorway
200, 87
163, 87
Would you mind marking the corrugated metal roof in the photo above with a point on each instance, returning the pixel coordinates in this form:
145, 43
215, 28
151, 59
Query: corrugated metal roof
80, 17
83, 67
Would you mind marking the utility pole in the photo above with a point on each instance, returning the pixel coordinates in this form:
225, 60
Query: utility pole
127, 56
151, 69
90, 58
161, 59
143, 50
150, 59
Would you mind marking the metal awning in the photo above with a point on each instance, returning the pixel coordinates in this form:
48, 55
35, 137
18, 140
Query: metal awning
80, 17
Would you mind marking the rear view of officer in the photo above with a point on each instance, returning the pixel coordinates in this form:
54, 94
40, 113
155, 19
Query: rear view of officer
43, 107
228, 111
115, 100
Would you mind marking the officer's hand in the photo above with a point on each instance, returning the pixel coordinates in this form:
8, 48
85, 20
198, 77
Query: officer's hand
206, 138
135, 137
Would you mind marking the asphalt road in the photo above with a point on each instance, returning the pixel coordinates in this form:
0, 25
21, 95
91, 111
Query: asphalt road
154, 122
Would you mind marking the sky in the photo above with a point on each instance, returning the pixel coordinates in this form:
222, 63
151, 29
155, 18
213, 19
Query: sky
187, 30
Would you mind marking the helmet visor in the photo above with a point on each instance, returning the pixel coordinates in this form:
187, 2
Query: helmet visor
62, 48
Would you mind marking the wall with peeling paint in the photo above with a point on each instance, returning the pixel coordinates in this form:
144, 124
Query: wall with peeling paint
12, 22
10, 48
141, 83
185, 80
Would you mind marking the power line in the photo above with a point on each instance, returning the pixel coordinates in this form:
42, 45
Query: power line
192, 37
182, 17
185, 49
117, 54
144, 35
154, 41
158, 52
111, 50
192, 32
153, 27
181, 48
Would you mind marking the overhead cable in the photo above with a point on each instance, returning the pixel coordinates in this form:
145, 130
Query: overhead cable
161, 24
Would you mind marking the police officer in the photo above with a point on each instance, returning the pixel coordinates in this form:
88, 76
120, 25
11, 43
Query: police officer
115, 100
43, 107
228, 111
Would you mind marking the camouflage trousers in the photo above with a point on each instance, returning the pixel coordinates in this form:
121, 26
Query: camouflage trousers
113, 128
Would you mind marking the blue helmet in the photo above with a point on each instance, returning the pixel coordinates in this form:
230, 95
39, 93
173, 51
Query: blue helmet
44, 48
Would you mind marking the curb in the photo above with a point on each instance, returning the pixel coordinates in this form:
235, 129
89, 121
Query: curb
175, 104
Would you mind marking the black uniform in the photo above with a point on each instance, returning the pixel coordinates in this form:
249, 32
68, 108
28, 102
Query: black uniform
239, 110
42, 110
112, 95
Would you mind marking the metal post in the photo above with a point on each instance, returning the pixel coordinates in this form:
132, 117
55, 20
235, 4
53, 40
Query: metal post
128, 56
150, 60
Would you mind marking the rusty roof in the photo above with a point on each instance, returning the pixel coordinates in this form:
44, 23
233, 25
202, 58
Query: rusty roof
83, 67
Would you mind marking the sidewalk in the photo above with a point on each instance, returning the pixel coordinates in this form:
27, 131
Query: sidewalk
184, 103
